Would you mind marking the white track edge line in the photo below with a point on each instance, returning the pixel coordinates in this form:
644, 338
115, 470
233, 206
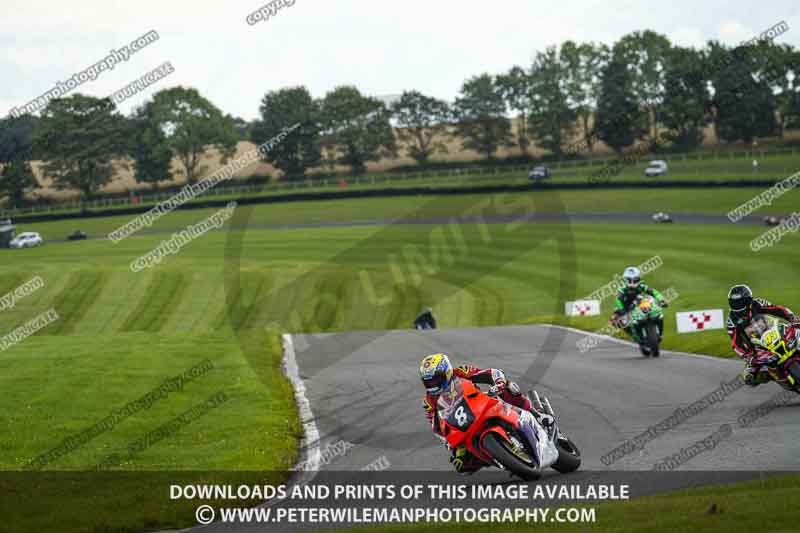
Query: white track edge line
312, 454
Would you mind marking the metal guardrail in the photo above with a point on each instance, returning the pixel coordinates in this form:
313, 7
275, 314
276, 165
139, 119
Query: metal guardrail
383, 177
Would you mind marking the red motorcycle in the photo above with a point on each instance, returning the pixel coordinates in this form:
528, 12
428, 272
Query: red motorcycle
503, 435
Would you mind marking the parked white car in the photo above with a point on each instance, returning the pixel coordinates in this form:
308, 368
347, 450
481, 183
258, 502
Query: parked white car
539, 173
28, 239
656, 168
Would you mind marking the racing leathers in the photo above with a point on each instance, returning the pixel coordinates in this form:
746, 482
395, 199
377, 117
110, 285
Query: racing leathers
738, 320
509, 392
626, 296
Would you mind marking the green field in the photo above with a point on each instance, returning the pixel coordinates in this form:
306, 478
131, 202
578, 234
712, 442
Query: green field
225, 297
676, 201
765, 505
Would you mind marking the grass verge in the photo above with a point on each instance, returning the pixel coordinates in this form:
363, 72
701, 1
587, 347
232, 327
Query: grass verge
766, 505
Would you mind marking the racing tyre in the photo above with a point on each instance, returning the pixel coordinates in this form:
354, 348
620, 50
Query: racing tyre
569, 456
652, 339
501, 450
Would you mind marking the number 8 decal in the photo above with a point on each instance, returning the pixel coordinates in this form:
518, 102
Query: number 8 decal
461, 416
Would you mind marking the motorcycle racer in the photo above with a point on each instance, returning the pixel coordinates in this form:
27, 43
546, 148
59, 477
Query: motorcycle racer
626, 296
437, 374
425, 320
743, 307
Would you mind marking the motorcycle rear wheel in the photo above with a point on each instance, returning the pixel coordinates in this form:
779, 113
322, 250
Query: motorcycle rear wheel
499, 448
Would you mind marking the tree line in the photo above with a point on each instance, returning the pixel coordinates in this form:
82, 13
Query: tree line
643, 88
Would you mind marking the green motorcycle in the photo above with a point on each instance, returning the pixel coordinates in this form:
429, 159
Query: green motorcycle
642, 322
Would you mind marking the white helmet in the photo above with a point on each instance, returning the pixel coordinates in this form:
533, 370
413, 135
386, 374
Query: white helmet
632, 277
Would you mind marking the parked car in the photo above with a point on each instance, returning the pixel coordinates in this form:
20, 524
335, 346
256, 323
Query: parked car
662, 218
76, 235
656, 168
28, 239
539, 173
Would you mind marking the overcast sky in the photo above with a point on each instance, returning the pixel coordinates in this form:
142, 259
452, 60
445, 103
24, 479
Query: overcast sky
381, 47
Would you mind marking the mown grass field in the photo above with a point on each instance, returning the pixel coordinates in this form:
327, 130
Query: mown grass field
227, 295
766, 505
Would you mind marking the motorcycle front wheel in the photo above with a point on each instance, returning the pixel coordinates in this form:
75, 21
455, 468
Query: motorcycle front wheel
502, 451
569, 456
652, 339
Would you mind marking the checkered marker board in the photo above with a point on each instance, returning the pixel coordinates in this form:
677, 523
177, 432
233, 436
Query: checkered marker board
694, 321
582, 308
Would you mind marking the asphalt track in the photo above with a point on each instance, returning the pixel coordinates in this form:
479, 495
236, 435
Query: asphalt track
363, 388
599, 218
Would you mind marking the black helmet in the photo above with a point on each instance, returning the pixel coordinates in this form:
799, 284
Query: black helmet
740, 297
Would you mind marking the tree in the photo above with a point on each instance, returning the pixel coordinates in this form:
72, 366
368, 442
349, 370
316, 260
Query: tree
240, 126
191, 124
17, 137
283, 109
358, 127
552, 120
480, 111
422, 124
646, 53
684, 111
743, 103
84, 136
793, 111
584, 65
149, 149
16, 152
779, 68
620, 122
16, 181
516, 88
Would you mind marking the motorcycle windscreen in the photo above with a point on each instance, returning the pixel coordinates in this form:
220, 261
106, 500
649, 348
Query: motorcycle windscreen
758, 326
767, 332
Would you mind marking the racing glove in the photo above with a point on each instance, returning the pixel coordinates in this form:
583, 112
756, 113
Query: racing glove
753, 377
616, 320
499, 378
663, 303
